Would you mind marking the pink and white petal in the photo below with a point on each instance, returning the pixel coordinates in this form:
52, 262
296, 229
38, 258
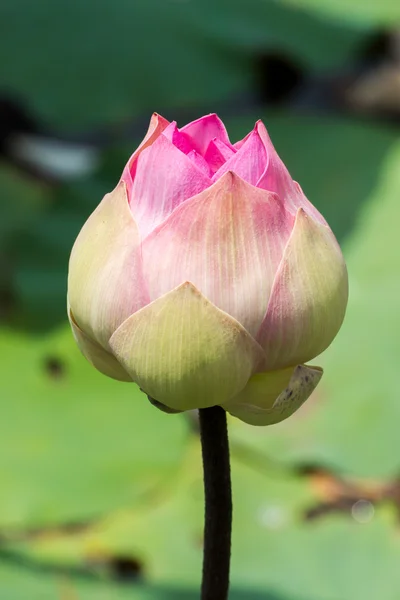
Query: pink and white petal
276, 178
217, 154
249, 162
165, 177
178, 139
157, 125
105, 279
309, 296
186, 353
228, 241
271, 397
200, 162
103, 361
205, 129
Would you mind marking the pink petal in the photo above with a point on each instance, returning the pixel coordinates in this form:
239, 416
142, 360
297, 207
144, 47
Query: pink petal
276, 178
228, 241
157, 125
249, 162
217, 154
205, 129
200, 162
179, 139
165, 177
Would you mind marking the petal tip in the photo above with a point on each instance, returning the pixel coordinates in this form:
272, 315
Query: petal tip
157, 119
261, 130
121, 187
231, 178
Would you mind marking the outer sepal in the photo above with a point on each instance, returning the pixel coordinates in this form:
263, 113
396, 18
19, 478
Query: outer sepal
271, 397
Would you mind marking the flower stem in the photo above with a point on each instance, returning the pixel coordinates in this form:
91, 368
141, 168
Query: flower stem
218, 503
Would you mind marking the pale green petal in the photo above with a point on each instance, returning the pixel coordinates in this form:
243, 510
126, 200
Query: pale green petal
271, 397
308, 298
105, 279
104, 362
186, 353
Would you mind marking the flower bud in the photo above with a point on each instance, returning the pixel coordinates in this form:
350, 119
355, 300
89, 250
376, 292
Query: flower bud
207, 277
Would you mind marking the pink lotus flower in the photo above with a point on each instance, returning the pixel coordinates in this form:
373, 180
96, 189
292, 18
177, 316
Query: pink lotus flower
207, 277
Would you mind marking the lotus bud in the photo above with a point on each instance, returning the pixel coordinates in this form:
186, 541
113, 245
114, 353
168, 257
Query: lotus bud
207, 277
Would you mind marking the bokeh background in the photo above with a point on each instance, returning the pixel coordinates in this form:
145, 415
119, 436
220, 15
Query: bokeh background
100, 493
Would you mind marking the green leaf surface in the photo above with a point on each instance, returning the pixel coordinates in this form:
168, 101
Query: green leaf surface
276, 552
163, 534
73, 443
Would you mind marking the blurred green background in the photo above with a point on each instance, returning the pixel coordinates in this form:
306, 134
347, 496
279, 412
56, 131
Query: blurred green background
100, 493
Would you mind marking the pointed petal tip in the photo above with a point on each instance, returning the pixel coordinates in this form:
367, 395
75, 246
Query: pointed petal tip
301, 216
121, 189
260, 123
231, 179
301, 213
188, 287
227, 181
175, 178
188, 284
249, 161
204, 129
262, 132
306, 217
156, 127
159, 117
